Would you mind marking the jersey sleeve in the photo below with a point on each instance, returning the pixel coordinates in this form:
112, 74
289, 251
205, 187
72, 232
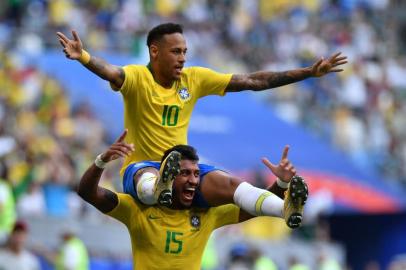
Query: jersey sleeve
130, 80
125, 209
210, 82
226, 214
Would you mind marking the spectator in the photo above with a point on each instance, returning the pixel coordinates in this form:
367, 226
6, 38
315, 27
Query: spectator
73, 253
15, 255
7, 210
32, 203
262, 262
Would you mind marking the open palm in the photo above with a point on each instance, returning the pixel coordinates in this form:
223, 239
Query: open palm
331, 64
285, 169
71, 47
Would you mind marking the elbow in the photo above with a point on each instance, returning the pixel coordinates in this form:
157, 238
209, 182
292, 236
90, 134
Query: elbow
81, 191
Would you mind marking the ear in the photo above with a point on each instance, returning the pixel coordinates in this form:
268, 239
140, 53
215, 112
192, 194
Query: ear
153, 51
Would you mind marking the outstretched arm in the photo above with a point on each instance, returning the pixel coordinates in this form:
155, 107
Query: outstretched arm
89, 189
263, 80
284, 171
73, 49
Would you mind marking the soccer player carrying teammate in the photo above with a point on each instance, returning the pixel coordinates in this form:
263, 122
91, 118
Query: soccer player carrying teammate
158, 102
171, 237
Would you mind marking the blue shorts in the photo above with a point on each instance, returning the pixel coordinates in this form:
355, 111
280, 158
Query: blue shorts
132, 169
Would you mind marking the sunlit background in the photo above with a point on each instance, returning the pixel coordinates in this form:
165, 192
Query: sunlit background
347, 131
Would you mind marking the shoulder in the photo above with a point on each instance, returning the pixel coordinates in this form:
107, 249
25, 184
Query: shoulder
124, 198
135, 68
125, 209
195, 69
224, 210
126, 203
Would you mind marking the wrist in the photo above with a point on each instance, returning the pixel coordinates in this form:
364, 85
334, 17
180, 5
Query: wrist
281, 183
309, 72
99, 163
84, 57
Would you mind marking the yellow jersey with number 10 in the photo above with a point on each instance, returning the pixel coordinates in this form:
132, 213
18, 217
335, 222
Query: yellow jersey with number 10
158, 118
163, 238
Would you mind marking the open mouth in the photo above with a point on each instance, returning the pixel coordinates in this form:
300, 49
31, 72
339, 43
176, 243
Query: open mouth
188, 193
178, 69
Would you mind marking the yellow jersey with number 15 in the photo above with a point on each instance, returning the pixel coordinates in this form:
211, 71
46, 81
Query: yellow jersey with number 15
158, 118
163, 238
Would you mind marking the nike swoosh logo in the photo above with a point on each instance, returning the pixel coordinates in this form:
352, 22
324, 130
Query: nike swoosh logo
153, 217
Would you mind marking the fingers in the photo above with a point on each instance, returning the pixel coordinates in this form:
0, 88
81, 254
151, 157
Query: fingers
335, 55
336, 70
285, 152
63, 43
336, 59
122, 136
122, 149
288, 167
269, 164
65, 51
75, 36
62, 36
318, 63
341, 58
339, 63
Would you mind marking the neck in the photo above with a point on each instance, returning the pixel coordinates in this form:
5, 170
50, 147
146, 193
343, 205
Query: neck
178, 206
159, 77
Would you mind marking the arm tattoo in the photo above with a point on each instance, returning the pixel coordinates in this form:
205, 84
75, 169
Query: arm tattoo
106, 71
109, 195
98, 66
109, 202
283, 78
263, 80
89, 189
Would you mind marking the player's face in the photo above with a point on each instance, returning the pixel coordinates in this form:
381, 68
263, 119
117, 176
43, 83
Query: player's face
186, 184
172, 55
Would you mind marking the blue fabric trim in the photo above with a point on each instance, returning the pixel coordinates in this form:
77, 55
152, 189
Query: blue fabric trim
132, 169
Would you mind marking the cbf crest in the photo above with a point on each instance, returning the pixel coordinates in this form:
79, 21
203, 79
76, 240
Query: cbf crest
195, 221
184, 94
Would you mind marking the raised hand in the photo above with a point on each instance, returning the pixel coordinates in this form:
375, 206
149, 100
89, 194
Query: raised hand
118, 149
325, 66
285, 169
71, 47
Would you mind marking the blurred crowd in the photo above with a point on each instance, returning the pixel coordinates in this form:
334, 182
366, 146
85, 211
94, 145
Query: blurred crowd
360, 111
46, 142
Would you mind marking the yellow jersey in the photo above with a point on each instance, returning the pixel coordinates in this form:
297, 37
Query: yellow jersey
163, 238
158, 118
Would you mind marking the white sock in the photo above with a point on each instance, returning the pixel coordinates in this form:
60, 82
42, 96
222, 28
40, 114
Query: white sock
258, 202
146, 188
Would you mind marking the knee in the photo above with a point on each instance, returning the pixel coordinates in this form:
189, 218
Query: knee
140, 172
